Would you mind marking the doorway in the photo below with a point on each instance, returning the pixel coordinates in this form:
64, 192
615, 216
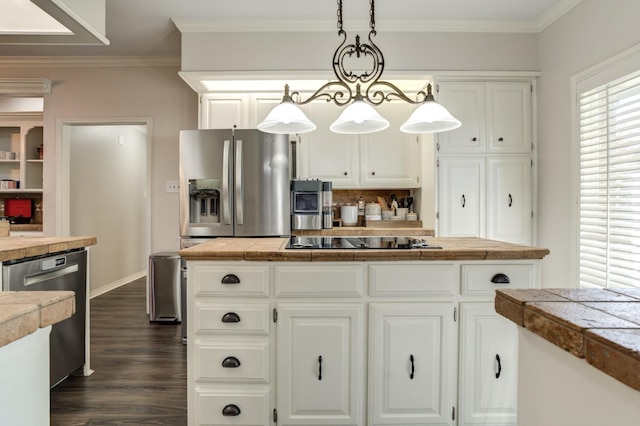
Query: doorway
105, 194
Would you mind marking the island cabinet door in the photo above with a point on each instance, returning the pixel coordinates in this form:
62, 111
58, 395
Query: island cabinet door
412, 359
488, 366
320, 363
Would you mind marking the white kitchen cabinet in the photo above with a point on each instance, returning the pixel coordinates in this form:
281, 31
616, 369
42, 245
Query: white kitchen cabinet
488, 366
461, 196
509, 203
485, 196
334, 343
412, 363
466, 102
224, 110
326, 155
21, 141
509, 117
485, 167
390, 158
495, 116
319, 362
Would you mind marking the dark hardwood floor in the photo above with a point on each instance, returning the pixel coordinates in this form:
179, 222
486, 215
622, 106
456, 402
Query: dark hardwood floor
140, 368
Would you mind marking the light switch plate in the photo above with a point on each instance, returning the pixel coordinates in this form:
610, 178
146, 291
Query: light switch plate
172, 186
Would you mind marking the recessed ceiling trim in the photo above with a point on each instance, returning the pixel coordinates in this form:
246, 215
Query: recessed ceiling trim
83, 32
231, 26
24, 86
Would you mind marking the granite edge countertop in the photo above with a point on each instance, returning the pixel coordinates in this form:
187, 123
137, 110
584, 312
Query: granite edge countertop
23, 312
601, 326
14, 248
273, 249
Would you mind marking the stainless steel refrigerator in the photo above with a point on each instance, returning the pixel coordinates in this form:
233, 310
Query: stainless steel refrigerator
233, 183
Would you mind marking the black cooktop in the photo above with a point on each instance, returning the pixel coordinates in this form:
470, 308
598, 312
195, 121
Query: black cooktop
359, 243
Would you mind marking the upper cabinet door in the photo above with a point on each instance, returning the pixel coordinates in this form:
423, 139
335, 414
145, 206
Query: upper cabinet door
326, 155
466, 102
390, 158
509, 117
224, 110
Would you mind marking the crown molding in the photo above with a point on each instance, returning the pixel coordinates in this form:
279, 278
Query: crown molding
89, 61
24, 86
555, 12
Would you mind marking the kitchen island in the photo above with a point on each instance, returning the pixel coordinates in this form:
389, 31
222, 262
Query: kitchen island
353, 336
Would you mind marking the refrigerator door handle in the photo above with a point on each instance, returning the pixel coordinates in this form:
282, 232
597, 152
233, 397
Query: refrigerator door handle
226, 195
239, 187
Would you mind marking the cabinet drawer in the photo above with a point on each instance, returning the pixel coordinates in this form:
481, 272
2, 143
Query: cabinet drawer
320, 280
250, 405
232, 318
484, 280
413, 280
233, 362
225, 281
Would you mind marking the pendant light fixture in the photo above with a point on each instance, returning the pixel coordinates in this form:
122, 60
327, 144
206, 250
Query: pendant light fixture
359, 116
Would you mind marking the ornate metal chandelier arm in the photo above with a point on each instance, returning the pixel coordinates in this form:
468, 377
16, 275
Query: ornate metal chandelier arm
340, 97
376, 96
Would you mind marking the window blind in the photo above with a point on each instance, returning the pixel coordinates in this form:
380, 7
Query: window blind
609, 194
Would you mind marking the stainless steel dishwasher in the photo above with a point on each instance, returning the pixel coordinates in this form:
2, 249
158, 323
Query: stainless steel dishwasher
58, 271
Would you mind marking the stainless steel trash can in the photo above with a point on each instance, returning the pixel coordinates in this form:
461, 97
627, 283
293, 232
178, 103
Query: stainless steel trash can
165, 281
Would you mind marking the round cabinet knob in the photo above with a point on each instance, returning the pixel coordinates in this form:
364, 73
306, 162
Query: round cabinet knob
373, 173
346, 173
500, 139
474, 139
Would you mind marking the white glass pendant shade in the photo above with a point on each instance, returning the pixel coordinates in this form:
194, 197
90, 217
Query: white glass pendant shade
359, 118
430, 117
286, 118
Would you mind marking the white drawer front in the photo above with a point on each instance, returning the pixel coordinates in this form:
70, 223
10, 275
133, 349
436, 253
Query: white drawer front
232, 318
225, 281
253, 406
233, 362
413, 280
320, 280
479, 279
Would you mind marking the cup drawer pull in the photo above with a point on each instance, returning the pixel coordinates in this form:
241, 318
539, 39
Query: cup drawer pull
230, 279
500, 279
231, 362
230, 317
231, 410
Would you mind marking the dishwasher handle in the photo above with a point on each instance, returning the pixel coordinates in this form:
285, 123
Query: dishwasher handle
44, 276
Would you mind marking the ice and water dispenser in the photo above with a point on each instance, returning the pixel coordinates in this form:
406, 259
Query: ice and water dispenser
204, 201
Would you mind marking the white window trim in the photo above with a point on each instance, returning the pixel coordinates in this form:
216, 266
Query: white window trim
608, 70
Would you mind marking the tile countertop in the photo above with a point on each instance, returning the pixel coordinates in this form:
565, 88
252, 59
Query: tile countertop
14, 248
601, 326
273, 249
23, 312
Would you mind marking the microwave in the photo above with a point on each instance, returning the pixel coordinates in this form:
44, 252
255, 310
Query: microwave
306, 204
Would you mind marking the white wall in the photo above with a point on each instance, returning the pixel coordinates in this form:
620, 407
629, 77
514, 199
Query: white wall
108, 182
590, 33
111, 92
422, 52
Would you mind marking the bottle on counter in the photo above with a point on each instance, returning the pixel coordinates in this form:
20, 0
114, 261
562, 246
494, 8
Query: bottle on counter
327, 205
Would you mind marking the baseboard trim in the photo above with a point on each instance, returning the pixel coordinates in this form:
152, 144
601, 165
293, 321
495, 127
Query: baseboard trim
112, 286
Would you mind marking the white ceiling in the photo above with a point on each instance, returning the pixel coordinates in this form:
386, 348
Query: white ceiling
148, 27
